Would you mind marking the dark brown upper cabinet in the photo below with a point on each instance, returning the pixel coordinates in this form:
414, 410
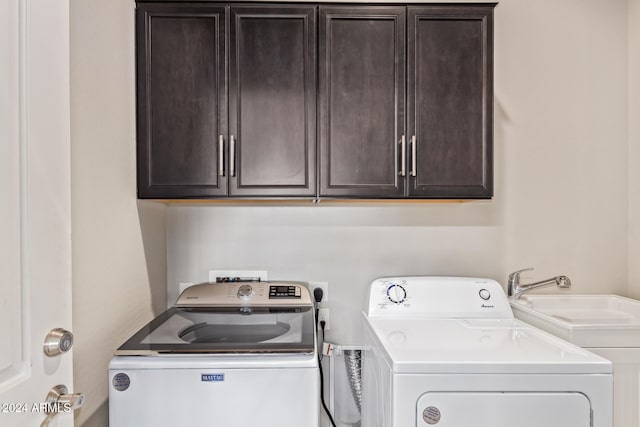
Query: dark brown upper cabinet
442, 148
272, 101
231, 98
190, 145
181, 100
362, 100
450, 101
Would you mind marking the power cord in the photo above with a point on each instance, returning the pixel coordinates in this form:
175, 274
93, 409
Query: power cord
317, 295
324, 404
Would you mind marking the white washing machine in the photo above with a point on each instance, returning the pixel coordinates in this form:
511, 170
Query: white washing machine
447, 352
227, 355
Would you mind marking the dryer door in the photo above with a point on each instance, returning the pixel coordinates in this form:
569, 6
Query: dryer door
506, 409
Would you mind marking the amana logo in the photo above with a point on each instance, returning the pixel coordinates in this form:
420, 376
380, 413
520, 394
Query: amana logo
212, 378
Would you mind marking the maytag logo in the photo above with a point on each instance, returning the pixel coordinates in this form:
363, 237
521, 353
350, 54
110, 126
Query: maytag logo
212, 378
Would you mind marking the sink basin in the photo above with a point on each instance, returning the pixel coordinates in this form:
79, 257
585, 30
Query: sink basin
585, 320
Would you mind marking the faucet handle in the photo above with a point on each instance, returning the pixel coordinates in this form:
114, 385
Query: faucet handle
515, 276
514, 281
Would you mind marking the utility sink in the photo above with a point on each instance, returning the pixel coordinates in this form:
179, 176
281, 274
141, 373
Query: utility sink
595, 321
608, 325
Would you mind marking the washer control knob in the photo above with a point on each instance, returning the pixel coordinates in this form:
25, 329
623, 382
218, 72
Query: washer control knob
245, 292
484, 294
396, 293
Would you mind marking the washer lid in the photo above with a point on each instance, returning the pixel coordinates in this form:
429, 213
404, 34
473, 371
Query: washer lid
225, 330
483, 346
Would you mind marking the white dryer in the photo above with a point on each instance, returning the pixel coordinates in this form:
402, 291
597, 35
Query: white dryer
227, 355
447, 352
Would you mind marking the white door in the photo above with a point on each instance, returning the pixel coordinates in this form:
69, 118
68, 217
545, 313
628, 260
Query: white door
35, 213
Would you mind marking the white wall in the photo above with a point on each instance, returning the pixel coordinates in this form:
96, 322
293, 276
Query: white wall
119, 268
561, 124
634, 148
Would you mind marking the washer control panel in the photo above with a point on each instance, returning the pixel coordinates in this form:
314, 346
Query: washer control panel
256, 294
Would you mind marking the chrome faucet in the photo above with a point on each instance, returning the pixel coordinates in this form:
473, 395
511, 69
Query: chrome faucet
516, 289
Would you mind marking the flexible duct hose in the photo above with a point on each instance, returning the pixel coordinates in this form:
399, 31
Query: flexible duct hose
353, 364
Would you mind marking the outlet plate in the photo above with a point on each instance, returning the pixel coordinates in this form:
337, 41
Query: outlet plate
262, 274
325, 290
323, 314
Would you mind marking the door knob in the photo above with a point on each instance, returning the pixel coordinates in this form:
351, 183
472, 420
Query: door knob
58, 341
59, 400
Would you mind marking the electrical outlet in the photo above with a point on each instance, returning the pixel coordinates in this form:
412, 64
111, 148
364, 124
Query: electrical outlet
323, 314
325, 290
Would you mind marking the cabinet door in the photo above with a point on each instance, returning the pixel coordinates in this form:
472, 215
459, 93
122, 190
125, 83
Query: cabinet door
362, 98
272, 83
181, 100
450, 108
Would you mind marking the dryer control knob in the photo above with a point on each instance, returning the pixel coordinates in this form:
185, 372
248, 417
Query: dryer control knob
396, 293
245, 292
484, 294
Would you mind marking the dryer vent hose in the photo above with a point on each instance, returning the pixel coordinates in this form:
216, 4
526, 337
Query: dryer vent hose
353, 363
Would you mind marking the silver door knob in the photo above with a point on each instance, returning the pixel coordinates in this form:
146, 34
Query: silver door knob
57, 342
60, 401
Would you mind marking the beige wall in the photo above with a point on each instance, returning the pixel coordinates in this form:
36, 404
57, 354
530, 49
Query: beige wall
634, 148
118, 243
562, 118
561, 102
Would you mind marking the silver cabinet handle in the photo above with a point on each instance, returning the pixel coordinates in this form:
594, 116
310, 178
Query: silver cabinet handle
232, 155
221, 155
403, 156
413, 156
